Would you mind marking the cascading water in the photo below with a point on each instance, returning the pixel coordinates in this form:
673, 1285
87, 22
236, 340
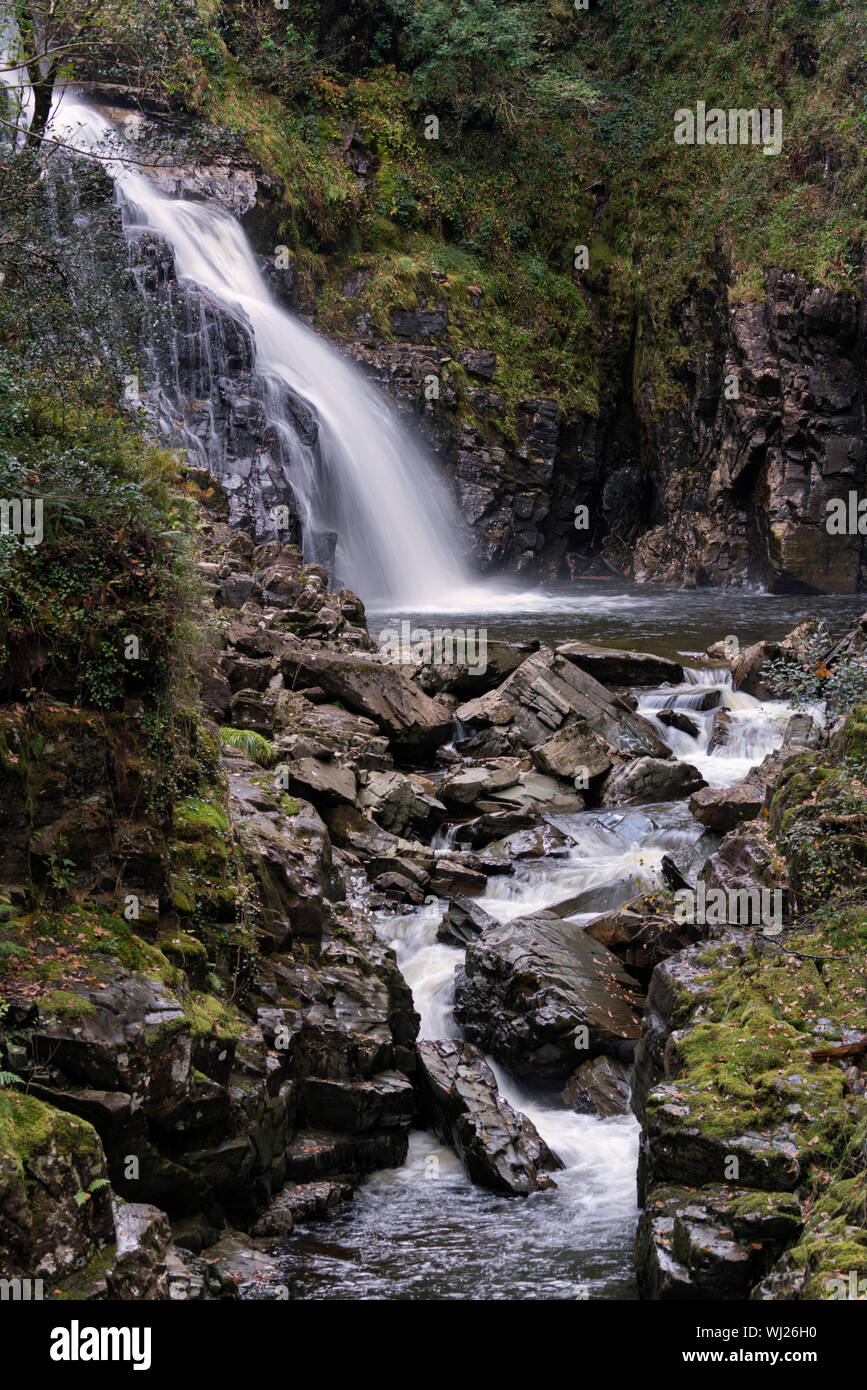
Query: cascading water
423, 1231
367, 481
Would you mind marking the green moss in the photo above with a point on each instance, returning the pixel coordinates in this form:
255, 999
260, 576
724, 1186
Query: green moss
195, 817
29, 1127
66, 1004
208, 1014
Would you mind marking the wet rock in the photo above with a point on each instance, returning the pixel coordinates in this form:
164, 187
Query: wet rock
500, 1148
712, 1244
354, 1106
467, 678
289, 856
350, 829
722, 808
463, 921
467, 786
314, 1154
610, 666
643, 932
650, 779
533, 843
746, 860
600, 1087
720, 732
302, 1202
450, 878
323, 783
529, 989
676, 719
537, 790
572, 750
414, 723
143, 1237
399, 804
496, 824
542, 694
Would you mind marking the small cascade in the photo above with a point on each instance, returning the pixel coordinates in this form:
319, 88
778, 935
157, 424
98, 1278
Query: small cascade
733, 730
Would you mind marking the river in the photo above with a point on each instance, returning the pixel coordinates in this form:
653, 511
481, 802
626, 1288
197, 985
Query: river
424, 1231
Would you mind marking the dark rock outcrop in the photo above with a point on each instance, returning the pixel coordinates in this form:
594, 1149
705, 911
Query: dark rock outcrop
499, 1148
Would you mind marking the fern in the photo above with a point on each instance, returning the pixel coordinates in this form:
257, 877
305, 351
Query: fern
9, 1078
251, 744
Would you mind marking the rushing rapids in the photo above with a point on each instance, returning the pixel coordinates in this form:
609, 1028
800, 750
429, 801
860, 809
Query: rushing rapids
423, 1230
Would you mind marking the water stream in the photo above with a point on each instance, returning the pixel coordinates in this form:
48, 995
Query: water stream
423, 1231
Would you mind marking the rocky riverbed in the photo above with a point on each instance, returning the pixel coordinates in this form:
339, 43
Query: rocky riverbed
213, 999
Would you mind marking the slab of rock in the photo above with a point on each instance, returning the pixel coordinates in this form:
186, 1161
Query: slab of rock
650, 779
535, 789
722, 808
323, 783
450, 878
497, 825
500, 1148
466, 679
529, 986
611, 666
357, 1104
600, 1087
398, 804
545, 691
464, 920
468, 785
351, 829
574, 747
414, 723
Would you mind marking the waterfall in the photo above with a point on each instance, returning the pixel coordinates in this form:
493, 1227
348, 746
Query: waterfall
367, 480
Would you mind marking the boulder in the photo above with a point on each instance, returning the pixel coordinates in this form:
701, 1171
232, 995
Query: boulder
415, 724
464, 920
323, 783
352, 830
398, 804
574, 748
530, 988
500, 1148
470, 783
610, 666
676, 719
599, 1087
722, 808
650, 779
545, 690
450, 878
496, 824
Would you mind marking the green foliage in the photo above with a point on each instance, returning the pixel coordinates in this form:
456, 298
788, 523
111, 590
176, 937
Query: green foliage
251, 744
808, 680
462, 51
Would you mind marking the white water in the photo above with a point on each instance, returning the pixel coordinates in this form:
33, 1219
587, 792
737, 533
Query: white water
422, 1231
369, 480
